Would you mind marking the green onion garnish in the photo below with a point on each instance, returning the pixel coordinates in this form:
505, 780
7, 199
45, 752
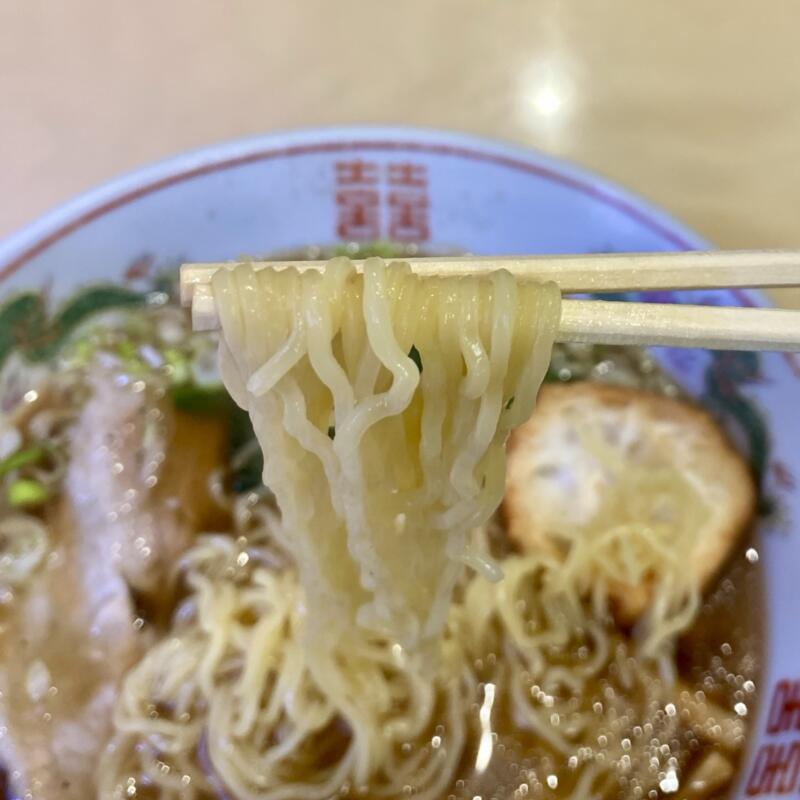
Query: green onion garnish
25, 492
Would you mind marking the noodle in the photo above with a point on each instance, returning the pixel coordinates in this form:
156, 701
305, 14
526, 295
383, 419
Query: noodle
645, 524
382, 405
236, 682
589, 705
379, 467
231, 703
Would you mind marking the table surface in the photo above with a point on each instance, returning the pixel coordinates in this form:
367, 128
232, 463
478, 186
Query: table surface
695, 105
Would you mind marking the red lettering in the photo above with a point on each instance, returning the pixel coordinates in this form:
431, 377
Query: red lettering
356, 173
408, 216
405, 174
791, 770
754, 781
358, 206
358, 217
784, 711
762, 777
359, 195
781, 689
408, 202
776, 770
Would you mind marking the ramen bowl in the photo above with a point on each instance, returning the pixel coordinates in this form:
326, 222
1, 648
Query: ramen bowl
444, 192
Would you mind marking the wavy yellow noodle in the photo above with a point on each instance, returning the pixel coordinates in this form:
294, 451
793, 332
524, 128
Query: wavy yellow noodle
380, 469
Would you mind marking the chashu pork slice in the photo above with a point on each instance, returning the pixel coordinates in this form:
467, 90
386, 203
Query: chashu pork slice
139, 471
70, 632
566, 459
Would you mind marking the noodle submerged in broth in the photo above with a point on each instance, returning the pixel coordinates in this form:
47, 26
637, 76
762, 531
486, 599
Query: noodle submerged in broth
364, 627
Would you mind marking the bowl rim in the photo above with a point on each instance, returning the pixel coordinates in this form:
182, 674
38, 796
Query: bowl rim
37, 236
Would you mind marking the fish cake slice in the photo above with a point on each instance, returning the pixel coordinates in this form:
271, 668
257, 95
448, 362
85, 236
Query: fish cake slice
557, 481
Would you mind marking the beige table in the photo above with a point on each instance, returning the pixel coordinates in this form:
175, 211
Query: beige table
693, 103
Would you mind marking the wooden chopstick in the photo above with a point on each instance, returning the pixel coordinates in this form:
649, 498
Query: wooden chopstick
607, 322
604, 322
679, 325
613, 272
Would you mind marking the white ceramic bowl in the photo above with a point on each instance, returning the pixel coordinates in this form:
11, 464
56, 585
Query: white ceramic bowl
441, 191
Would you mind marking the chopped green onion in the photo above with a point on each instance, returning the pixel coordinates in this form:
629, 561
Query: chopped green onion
331, 432
126, 349
552, 375
21, 458
248, 475
414, 355
386, 250
82, 350
25, 492
510, 402
181, 371
202, 400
